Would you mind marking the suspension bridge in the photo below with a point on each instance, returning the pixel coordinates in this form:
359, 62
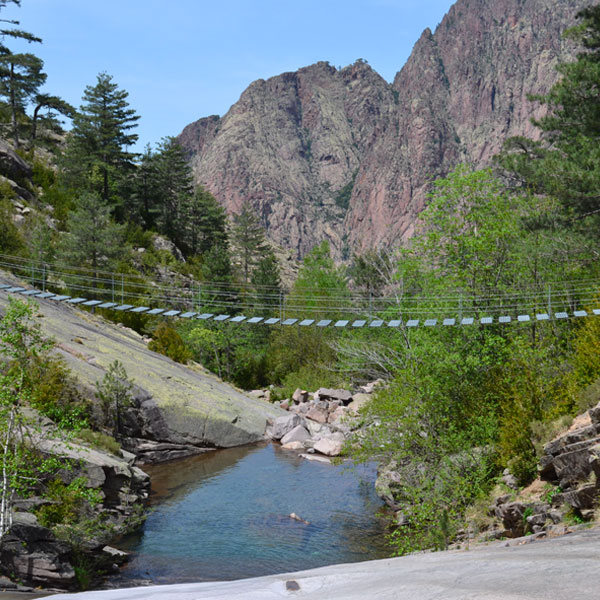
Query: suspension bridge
238, 304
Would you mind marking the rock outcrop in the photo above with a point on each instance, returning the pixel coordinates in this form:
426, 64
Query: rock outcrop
30, 553
319, 422
345, 156
180, 410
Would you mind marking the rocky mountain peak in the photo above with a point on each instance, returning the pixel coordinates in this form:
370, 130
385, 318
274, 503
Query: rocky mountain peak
343, 155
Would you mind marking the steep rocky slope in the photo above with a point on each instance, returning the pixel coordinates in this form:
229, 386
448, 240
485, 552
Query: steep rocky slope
343, 155
179, 410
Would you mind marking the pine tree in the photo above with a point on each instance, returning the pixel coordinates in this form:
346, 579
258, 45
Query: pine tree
565, 164
172, 180
93, 239
266, 281
52, 105
248, 240
144, 196
97, 155
21, 76
205, 223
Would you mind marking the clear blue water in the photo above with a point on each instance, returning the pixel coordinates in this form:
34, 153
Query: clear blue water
225, 515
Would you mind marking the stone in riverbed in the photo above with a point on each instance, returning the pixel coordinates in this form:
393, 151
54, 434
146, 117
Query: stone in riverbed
298, 434
283, 425
293, 446
316, 458
329, 446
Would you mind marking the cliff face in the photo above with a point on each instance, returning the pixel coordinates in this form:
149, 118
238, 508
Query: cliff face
342, 155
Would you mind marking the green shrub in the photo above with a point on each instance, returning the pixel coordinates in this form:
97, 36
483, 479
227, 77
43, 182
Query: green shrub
70, 502
11, 240
55, 394
167, 341
100, 440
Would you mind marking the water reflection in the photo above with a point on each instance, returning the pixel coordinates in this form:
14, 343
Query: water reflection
225, 515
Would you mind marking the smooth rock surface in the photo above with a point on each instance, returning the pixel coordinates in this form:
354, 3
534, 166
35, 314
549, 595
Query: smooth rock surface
562, 568
178, 404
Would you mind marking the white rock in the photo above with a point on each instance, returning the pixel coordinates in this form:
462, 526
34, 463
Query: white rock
328, 446
321, 459
293, 446
298, 434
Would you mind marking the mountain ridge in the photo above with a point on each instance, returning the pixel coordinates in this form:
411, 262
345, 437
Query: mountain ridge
343, 155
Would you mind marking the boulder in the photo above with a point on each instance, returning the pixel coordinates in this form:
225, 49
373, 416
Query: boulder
174, 403
30, 553
315, 428
595, 414
300, 396
330, 446
315, 458
293, 446
298, 434
358, 401
369, 388
283, 425
12, 165
317, 414
572, 467
121, 484
339, 413
162, 243
584, 497
344, 396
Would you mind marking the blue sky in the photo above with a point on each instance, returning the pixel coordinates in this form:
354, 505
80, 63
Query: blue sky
186, 59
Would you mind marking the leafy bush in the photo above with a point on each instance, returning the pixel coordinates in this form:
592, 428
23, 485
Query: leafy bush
70, 502
54, 393
100, 440
11, 240
167, 341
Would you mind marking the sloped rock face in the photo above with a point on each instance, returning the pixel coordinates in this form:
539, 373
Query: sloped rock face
344, 156
179, 410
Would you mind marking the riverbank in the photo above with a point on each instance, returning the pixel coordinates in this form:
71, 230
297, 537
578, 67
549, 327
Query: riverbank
559, 568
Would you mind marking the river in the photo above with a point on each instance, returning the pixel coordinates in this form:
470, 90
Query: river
225, 515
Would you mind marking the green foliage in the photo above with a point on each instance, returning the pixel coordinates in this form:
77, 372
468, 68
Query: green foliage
69, 504
311, 376
11, 240
204, 223
564, 164
99, 440
21, 343
529, 389
342, 200
170, 178
54, 393
586, 357
93, 239
321, 287
96, 158
167, 341
248, 240
115, 394
294, 348
266, 281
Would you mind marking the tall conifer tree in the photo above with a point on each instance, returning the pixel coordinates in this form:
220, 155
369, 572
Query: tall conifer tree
98, 153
